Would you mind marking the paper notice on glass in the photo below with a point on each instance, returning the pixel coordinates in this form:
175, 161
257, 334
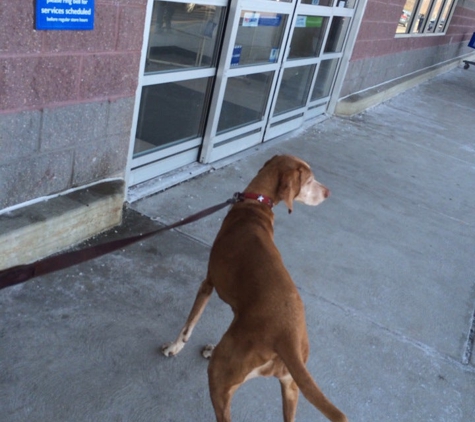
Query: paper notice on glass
236, 55
274, 55
301, 21
250, 19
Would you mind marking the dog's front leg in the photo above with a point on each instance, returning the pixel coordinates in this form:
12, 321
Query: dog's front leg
202, 298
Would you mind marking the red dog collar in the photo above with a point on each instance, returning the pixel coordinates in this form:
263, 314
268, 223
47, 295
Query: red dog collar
256, 196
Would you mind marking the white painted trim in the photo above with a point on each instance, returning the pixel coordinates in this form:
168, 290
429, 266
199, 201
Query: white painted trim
154, 169
285, 127
233, 147
165, 152
177, 76
56, 195
138, 92
347, 53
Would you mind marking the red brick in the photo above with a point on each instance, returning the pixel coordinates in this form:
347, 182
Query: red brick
362, 50
375, 11
38, 81
125, 2
109, 75
131, 26
382, 47
376, 31
16, 27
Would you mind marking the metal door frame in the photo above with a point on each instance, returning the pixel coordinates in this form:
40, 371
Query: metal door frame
212, 147
286, 122
219, 146
155, 163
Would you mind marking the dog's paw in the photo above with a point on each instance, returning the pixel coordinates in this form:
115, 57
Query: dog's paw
207, 351
171, 349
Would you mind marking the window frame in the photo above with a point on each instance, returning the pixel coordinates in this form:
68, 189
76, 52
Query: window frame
426, 30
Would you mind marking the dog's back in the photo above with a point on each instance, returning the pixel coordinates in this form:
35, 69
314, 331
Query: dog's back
244, 262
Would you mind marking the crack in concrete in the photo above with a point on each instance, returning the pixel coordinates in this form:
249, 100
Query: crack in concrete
467, 353
426, 349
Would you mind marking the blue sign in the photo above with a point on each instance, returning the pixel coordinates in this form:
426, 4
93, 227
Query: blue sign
65, 14
236, 55
270, 20
472, 41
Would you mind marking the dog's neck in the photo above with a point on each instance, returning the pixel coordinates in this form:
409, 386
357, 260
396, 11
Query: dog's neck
263, 199
264, 187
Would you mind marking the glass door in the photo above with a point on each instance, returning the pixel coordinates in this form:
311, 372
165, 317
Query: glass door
252, 55
277, 69
315, 48
220, 76
177, 76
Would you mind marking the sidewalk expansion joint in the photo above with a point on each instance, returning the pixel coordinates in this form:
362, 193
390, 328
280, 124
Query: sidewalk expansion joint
399, 336
195, 239
467, 353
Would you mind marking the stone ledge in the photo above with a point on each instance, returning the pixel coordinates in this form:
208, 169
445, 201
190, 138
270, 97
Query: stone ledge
33, 232
359, 102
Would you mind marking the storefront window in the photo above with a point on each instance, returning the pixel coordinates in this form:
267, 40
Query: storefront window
259, 38
325, 75
171, 113
337, 34
434, 14
245, 100
424, 16
183, 36
338, 3
308, 36
318, 2
444, 16
294, 88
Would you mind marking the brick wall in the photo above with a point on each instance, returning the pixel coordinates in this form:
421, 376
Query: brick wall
66, 98
379, 56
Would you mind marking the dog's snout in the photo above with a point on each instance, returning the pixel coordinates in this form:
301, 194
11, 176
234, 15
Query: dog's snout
326, 192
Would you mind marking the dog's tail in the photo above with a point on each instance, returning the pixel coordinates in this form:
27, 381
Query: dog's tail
308, 386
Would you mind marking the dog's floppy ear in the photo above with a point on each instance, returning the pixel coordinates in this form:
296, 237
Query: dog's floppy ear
289, 187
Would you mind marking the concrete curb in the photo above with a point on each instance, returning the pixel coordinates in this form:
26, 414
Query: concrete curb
36, 231
359, 102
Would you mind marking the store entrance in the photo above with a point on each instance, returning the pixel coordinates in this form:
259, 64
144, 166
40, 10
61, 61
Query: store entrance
219, 77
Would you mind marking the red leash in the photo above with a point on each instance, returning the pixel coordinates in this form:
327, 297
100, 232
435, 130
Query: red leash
22, 273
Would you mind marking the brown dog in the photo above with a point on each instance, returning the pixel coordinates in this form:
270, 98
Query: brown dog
268, 334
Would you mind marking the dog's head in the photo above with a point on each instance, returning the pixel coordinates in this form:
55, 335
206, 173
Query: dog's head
296, 181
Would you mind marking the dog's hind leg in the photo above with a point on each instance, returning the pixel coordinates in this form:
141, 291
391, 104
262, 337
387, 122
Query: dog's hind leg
225, 375
202, 298
290, 397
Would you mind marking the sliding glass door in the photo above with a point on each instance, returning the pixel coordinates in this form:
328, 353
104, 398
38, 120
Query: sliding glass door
219, 77
178, 76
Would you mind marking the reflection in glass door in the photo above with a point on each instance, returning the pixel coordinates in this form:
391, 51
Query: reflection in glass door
250, 61
315, 48
223, 75
179, 70
245, 100
279, 64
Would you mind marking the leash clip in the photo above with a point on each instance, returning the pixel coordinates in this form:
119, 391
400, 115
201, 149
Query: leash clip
237, 197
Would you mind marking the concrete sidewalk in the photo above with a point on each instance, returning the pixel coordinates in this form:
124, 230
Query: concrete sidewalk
385, 267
